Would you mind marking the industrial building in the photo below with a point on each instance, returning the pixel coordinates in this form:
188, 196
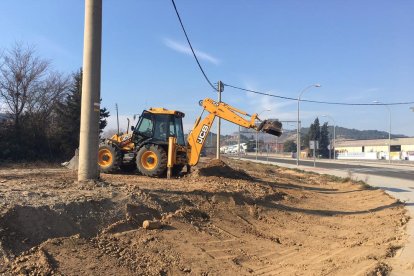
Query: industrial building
401, 149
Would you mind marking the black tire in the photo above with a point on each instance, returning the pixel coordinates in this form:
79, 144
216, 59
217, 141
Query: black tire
152, 160
109, 158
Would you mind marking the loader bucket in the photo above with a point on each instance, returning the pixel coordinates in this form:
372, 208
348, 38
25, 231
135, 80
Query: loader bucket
273, 127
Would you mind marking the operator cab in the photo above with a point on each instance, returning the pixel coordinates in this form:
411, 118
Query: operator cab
157, 124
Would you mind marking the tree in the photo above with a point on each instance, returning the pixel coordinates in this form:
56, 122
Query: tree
48, 94
21, 73
29, 92
289, 146
314, 132
324, 141
68, 116
103, 114
40, 126
69, 112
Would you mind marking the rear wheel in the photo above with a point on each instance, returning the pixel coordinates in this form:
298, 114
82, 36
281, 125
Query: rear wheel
109, 158
152, 160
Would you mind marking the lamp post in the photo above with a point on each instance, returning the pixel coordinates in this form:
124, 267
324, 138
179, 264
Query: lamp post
257, 133
333, 133
389, 131
298, 125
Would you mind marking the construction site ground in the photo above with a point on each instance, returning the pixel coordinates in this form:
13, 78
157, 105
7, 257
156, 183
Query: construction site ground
241, 218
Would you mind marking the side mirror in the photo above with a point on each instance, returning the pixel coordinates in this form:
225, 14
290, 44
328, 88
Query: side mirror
132, 128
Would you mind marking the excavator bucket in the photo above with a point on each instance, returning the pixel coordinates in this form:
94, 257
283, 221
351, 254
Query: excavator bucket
273, 127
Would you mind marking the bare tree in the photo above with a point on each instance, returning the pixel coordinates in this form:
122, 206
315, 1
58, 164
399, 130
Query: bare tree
21, 72
47, 94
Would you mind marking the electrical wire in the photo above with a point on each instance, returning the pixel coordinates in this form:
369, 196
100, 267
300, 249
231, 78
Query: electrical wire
268, 94
311, 101
191, 47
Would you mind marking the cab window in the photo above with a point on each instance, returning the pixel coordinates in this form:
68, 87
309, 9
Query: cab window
161, 127
145, 127
179, 131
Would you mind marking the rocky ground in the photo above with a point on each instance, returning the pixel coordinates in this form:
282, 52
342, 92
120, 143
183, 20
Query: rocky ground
241, 219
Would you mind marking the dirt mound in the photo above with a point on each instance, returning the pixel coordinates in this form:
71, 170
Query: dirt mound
280, 222
191, 214
23, 227
219, 168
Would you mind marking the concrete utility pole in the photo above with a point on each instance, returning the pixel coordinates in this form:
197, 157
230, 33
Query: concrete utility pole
91, 80
220, 88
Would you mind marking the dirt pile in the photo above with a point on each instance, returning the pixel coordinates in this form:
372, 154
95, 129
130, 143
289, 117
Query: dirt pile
277, 222
219, 168
24, 227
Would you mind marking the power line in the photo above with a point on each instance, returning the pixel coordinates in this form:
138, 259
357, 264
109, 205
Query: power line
268, 94
191, 47
260, 93
311, 101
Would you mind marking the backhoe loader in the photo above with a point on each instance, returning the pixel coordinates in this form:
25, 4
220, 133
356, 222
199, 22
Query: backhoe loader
156, 146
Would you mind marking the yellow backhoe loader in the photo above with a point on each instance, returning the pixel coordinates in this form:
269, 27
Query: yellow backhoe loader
156, 146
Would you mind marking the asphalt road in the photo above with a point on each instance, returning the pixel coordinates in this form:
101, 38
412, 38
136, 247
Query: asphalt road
401, 173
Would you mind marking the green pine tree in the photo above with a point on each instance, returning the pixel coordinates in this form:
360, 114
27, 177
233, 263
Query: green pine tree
314, 133
68, 113
103, 114
324, 141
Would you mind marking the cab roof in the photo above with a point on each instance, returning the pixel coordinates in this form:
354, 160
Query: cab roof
161, 110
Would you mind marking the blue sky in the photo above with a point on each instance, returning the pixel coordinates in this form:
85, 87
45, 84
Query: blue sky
359, 51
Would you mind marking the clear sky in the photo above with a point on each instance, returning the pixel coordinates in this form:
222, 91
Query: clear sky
359, 51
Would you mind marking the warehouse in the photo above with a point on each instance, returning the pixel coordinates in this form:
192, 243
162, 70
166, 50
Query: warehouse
401, 149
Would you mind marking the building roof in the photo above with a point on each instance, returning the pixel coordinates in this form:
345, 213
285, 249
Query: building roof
374, 142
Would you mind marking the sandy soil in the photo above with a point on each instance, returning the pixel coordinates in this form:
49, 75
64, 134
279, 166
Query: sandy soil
241, 219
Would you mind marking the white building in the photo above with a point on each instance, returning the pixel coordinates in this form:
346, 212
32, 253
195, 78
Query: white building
401, 149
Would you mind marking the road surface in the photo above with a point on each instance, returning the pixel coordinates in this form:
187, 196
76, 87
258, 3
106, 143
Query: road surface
380, 169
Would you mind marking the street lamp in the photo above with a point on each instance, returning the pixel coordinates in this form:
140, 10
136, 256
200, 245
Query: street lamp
333, 134
298, 130
389, 132
257, 132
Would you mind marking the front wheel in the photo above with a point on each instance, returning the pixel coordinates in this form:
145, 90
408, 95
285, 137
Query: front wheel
152, 160
109, 158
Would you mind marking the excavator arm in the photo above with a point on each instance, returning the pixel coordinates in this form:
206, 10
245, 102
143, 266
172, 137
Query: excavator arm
201, 129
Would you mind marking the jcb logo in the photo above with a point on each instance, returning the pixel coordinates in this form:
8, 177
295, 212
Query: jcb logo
203, 134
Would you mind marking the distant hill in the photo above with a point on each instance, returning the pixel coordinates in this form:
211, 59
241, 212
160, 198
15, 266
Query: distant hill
343, 133
355, 134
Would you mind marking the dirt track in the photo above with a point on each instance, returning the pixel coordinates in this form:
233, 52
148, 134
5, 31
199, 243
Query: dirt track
264, 220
